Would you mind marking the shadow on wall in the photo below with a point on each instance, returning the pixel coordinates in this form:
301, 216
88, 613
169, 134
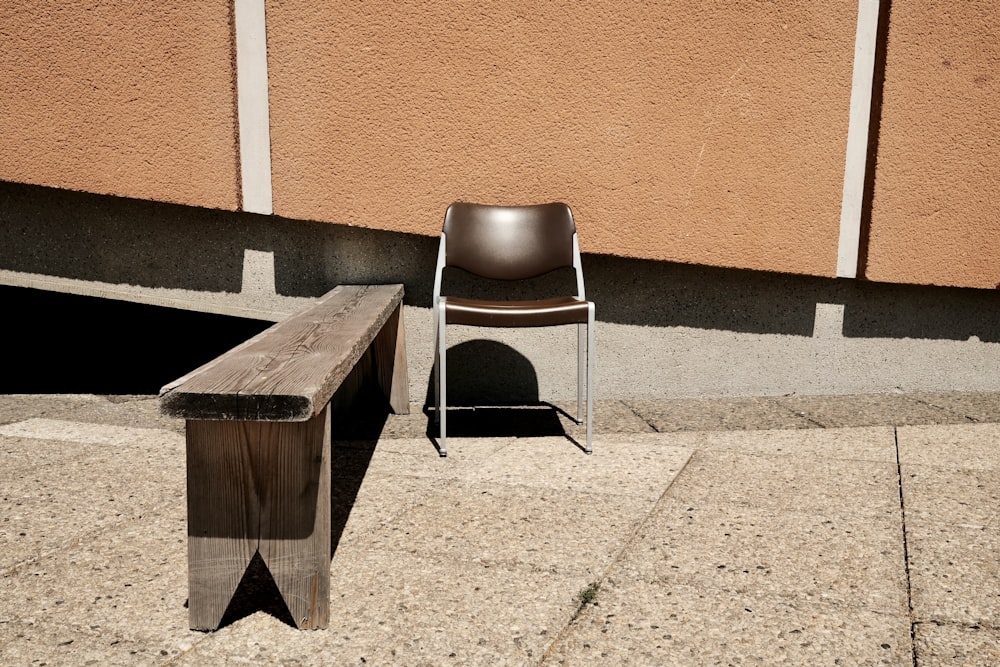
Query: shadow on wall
152, 244
760, 302
123, 241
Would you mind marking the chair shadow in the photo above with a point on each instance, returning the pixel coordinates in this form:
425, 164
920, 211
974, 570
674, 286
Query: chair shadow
524, 421
493, 393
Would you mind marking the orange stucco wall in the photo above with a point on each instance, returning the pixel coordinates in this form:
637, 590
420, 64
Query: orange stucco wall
706, 133
125, 98
711, 133
936, 208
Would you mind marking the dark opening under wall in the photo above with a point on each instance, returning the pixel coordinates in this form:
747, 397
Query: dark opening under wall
56, 343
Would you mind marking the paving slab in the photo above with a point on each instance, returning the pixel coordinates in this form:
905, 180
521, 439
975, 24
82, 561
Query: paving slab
413, 425
974, 406
23, 456
118, 598
643, 470
847, 488
636, 624
139, 411
867, 410
365, 508
958, 446
18, 407
409, 609
873, 443
129, 410
43, 515
98, 477
724, 414
950, 481
778, 552
954, 572
967, 497
418, 457
549, 530
538, 501
609, 417
38, 642
953, 645
480, 557
85, 432
528, 421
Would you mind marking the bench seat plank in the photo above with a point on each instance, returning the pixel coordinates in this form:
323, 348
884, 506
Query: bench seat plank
290, 371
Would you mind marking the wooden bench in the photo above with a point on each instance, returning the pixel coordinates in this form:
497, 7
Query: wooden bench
258, 446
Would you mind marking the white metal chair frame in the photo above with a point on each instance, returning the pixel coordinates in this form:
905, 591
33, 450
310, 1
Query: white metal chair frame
585, 344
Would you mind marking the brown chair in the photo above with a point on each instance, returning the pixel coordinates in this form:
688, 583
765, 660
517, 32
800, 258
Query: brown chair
512, 243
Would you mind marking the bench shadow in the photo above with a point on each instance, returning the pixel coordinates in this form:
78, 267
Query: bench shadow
355, 430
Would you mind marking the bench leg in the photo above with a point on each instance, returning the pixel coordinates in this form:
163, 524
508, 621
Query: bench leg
390, 363
259, 488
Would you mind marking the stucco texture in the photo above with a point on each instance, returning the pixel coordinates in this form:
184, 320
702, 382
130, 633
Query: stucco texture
710, 133
936, 211
134, 99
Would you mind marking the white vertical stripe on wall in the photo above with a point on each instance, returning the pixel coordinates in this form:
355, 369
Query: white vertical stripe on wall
254, 116
857, 139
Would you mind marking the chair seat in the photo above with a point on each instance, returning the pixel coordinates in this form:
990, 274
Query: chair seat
534, 313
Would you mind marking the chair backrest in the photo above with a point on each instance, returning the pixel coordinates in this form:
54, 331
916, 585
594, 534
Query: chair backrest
509, 242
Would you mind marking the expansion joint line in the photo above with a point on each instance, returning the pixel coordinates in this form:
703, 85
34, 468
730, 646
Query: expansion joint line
906, 551
598, 583
649, 422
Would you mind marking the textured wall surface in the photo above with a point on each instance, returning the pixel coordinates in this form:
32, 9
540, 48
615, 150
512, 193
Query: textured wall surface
701, 133
124, 98
709, 133
936, 210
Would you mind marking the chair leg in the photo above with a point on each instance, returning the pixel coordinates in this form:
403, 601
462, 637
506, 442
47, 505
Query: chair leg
437, 368
442, 384
591, 353
581, 342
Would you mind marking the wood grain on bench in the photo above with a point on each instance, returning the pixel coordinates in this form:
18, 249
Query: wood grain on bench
289, 371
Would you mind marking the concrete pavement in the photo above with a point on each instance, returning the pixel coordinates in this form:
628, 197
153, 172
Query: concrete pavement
858, 530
